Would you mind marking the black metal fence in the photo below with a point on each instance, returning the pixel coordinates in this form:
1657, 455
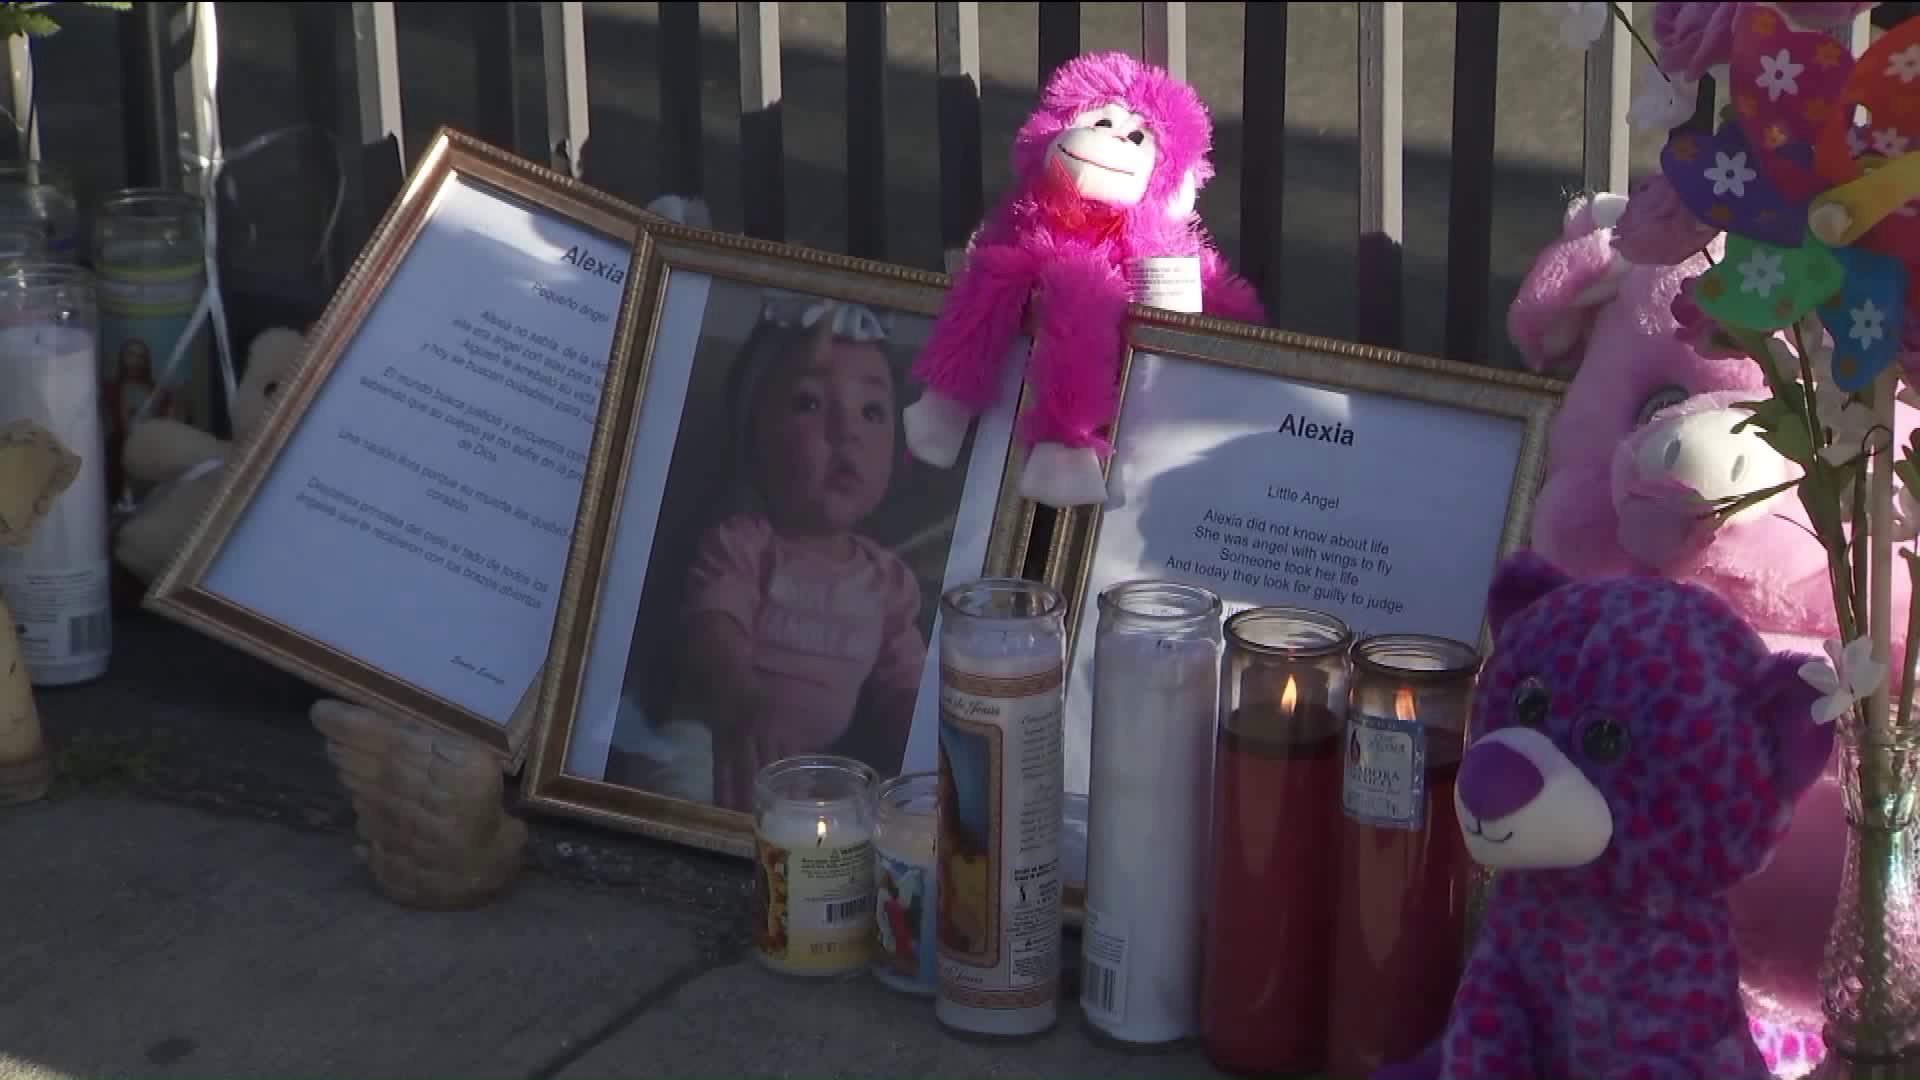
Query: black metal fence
530, 93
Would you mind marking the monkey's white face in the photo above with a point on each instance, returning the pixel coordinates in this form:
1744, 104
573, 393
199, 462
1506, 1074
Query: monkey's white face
1109, 153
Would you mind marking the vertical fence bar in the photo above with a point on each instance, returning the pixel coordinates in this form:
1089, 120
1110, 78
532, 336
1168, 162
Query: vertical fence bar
19, 75
1476, 63
867, 129
1163, 36
680, 97
1059, 35
376, 66
762, 144
148, 111
496, 82
563, 45
1704, 100
195, 89
1381, 230
956, 51
1263, 160
1609, 92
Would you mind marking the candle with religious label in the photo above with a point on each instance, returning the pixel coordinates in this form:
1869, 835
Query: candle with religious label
58, 585
904, 883
813, 866
1404, 870
1274, 845
1156, 693
1003, 660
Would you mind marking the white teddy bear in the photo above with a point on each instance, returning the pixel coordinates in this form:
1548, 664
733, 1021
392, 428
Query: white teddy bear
175, 469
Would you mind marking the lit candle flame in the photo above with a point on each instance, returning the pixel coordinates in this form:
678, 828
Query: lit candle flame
1289, 697
820, 832
1403, 705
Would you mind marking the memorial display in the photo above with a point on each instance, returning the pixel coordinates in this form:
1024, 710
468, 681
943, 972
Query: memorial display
1366, 714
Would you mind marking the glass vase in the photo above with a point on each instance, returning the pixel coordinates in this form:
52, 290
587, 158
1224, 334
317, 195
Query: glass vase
1870, 979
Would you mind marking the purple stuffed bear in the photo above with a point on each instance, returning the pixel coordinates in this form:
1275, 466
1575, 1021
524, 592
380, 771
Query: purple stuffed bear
1640, 752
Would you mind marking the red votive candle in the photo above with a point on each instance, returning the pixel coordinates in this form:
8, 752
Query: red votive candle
1273, 854
1399, 934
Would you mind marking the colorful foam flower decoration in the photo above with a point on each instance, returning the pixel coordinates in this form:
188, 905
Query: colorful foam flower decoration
1819, 210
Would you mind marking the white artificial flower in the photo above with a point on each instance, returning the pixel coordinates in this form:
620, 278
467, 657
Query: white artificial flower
1905, 64
1851, 676
1905, 524
1888, 142
1664, 103
1580, 24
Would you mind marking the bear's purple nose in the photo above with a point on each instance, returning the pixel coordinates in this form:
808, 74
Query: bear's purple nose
1496, 780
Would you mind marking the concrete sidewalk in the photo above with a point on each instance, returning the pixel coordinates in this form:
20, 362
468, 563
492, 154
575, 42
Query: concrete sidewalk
139, 938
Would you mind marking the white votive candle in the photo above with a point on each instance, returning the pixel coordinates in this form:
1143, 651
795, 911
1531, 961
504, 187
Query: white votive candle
905, 885
58, 584
813, 866
1156, 695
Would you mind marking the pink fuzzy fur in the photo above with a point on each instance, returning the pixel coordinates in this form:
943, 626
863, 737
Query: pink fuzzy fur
1077, 281
1611, 325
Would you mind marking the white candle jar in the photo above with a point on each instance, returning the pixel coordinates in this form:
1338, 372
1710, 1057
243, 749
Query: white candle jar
813, 866
1003, 660
1155, 697
38, 196
905, 894
58, 585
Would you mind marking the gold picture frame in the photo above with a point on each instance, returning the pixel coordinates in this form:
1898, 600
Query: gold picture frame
453, 168
686, 279
1529, 401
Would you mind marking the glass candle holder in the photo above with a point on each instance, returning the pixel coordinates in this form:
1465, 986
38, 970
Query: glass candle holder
1405, 873
905, 887
149, 250
59, 584
813, 865
1274, 845
40, 196
1156, 697
1003, 660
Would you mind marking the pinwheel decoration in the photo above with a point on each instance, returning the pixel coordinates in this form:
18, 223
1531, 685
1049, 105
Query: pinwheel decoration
1810, 177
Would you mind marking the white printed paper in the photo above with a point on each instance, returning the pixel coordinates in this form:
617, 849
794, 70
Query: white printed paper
419, 517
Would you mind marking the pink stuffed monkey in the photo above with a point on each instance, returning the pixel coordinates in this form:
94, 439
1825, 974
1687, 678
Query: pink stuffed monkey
1106, 170
1644, 430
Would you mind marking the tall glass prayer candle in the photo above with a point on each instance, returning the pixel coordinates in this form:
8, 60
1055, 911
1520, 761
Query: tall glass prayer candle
813, 865
58, 586
1156, 696
1003, 660
1273, 853
1404, 870
904, 883
149, 249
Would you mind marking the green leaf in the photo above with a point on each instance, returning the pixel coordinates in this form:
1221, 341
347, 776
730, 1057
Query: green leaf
1782, 423
1727, 507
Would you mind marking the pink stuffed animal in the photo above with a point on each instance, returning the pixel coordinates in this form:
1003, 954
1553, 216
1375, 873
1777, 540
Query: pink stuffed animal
1107, 170
1643, 434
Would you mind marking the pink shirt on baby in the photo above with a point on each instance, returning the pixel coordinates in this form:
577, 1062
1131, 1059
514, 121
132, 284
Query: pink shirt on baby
824, 628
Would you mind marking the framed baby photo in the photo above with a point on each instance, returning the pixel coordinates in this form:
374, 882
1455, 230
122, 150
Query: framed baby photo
759, 560
394, 522
1271, 468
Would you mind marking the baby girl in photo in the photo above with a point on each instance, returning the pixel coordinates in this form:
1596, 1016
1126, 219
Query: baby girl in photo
801, 633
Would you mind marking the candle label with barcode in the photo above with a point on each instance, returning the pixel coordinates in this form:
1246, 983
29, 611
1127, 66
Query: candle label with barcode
1385, 783
1103, 969
814, 906
1002, 786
